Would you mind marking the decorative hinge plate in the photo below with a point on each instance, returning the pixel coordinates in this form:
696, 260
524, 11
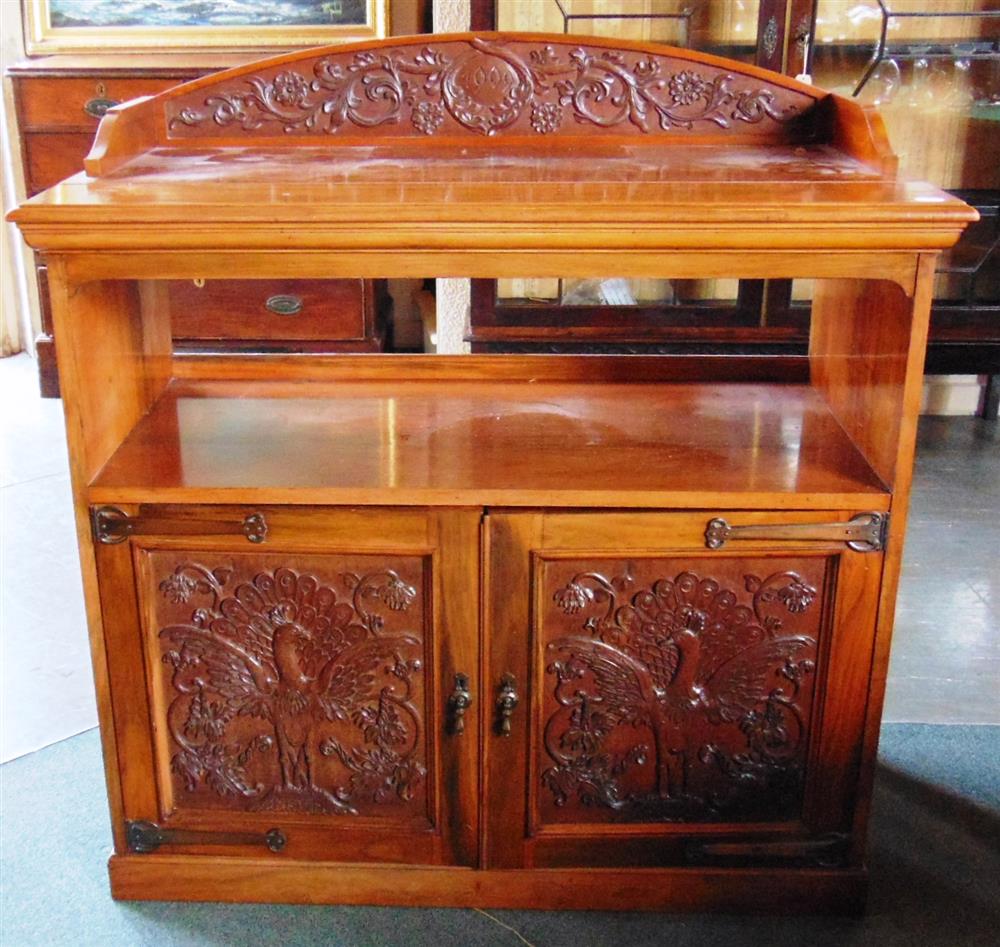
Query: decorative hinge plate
146, 837
825, 851
866, 532
111, 525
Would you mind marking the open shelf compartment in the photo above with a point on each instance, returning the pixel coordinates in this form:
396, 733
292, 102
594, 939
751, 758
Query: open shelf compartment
680, 444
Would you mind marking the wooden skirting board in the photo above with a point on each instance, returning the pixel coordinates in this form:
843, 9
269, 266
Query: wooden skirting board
777, 890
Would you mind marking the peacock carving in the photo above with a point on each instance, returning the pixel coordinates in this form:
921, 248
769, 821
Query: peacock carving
314, 668
649, 678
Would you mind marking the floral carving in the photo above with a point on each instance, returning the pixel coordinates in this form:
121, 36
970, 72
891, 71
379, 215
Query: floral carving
289, 88
686, 88
573, 597
314, 667
485, 87
647, 667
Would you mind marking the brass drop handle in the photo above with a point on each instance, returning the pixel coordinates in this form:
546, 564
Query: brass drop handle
507, 701
97, 108
458, 703
282, 305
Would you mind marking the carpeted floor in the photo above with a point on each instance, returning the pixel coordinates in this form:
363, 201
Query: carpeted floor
935, 861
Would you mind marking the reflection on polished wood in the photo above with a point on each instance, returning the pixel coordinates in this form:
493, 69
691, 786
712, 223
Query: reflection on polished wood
520, 444
316, 197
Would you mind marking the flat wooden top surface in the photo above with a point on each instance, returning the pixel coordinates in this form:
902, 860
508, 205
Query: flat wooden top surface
653, 182
476, 443
622, 198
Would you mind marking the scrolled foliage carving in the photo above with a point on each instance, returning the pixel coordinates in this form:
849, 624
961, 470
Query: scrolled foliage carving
485, 87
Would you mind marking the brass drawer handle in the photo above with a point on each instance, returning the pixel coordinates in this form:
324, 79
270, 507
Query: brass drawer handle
458, 703
282, 305
507, 701
97, 108
865, 532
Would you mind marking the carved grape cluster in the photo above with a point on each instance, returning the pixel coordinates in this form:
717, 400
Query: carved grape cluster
427, 117
546, 117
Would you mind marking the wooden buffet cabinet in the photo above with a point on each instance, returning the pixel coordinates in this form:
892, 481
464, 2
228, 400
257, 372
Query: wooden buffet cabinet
543, 631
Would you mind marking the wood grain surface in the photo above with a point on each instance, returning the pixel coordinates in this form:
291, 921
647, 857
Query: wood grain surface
467, 443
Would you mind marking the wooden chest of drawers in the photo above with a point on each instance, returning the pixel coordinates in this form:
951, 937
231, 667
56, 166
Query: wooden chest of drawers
60, 102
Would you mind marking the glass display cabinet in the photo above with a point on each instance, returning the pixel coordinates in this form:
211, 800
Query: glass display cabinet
932, 68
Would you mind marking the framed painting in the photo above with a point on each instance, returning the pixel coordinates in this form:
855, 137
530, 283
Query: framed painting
77, 26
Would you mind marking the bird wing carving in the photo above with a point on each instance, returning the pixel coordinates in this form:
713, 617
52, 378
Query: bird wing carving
352, 677
221, 666
624, 685
742, 682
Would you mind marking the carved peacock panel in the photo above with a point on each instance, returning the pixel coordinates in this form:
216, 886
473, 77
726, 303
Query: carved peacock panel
678, 690
291, 687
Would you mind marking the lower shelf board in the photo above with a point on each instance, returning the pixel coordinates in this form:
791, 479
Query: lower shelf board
745, 891
446, 442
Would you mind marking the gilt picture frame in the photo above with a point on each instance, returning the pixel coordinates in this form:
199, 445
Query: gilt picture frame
125, 26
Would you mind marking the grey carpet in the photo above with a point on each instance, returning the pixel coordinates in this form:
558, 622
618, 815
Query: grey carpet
935, 861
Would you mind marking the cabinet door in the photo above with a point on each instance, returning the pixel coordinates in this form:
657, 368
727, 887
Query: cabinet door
295, 691
658, 702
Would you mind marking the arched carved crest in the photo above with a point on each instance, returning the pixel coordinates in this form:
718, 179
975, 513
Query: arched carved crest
487, 85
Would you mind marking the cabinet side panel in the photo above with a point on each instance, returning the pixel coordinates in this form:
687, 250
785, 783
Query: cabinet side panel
905, 449
113, 337
866, 347
107, 343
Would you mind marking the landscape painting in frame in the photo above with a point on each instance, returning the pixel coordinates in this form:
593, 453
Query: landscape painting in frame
63, 26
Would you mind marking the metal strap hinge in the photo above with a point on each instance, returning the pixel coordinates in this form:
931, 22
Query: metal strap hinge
146, 837
866, 532
824, 850
111, 525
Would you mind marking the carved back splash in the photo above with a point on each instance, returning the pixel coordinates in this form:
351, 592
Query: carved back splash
487, 85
